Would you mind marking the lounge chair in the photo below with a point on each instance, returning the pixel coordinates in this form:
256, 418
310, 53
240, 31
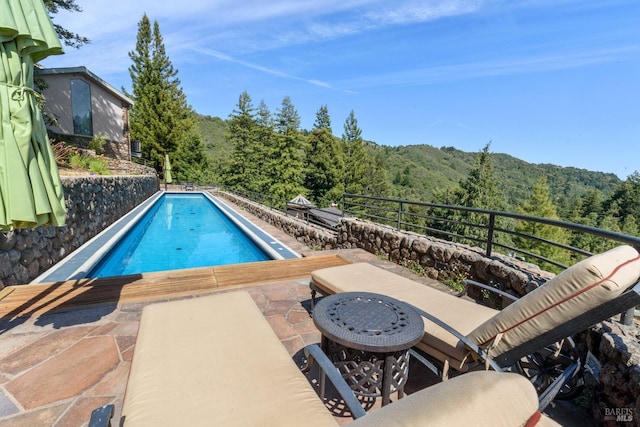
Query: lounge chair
462, 336
215, 361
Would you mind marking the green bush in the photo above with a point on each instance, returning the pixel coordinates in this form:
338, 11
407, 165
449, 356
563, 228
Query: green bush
97, 143
96, 165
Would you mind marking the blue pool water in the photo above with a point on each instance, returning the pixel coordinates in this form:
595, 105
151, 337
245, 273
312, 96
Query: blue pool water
179, 231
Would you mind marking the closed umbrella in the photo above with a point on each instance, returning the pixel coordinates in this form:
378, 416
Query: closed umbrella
167, 171
30, 188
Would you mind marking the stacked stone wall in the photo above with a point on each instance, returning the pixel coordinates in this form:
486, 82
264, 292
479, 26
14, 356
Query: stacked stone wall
312, 236
93, 203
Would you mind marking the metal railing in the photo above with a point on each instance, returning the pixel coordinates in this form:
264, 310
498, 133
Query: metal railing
486, 228
483, 228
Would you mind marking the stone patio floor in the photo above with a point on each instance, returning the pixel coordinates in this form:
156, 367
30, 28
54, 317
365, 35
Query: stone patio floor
57, 367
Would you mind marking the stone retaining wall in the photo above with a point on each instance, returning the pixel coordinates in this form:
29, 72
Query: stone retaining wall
439, 259
616, 395
93, 203
309, 234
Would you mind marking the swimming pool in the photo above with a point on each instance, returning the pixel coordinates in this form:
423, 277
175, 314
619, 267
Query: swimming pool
171, 231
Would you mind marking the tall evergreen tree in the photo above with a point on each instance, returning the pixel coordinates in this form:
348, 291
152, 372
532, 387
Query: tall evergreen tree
478, 190
355, 157
377, 182
161, 118
625, 199
241, 133
265, 139
287, 160
323, 163
540, 205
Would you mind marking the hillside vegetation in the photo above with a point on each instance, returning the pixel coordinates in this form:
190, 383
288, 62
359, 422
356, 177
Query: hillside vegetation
415, 171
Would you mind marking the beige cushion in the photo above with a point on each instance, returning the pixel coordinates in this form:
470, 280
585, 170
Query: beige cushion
484, 398
215, 361
579, 288
461, 314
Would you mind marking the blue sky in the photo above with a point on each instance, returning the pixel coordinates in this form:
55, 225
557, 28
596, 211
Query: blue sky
548, 81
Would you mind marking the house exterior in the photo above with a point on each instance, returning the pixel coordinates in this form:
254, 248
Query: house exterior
82, 106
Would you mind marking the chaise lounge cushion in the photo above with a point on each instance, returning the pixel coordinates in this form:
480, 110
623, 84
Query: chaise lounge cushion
579, 288
436, 341
216, 361
484, 398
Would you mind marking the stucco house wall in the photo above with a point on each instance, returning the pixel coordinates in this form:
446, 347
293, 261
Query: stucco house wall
109, 109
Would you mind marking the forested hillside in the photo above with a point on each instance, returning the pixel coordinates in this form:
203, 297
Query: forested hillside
416, 171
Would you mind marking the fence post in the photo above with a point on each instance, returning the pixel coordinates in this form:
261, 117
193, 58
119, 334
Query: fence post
399, 214
626, 318
492, 223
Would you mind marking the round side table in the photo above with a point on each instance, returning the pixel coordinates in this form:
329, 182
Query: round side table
368, 337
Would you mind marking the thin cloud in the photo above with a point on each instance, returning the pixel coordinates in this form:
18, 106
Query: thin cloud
228, 58
457, 72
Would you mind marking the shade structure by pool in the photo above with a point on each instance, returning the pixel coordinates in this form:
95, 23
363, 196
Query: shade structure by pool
30, 188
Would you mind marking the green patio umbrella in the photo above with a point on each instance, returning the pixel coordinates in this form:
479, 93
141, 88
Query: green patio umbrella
30, 188
167, 170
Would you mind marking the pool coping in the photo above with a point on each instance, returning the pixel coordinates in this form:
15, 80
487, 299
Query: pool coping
78, 263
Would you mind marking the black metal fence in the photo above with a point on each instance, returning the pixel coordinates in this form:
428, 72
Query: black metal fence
488, 229
484, 228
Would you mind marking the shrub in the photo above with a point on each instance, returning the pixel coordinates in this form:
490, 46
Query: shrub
96, 165
97, 143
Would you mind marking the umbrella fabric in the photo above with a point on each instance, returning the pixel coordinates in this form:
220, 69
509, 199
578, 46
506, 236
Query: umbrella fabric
167, 170
30, 187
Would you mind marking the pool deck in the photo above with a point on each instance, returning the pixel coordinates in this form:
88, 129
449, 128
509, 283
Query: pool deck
66, 348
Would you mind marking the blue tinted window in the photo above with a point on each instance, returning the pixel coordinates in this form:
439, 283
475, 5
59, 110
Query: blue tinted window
81, 108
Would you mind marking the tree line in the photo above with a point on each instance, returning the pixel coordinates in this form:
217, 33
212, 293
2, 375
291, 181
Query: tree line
272, 155
618, 212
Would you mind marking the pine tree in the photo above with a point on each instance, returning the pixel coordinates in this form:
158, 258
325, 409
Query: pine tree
540, 205
190, 163
323, 163
265, 139
240, 171
161, 118
355, 157
377, 182
287, 163
145, 84
478, 190
625, 199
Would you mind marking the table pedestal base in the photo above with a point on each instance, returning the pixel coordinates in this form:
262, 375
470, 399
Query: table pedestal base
370, 374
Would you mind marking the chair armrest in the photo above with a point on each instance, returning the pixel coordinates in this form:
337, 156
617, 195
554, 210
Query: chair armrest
468, 283
314, 352
467, 342
101, 417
